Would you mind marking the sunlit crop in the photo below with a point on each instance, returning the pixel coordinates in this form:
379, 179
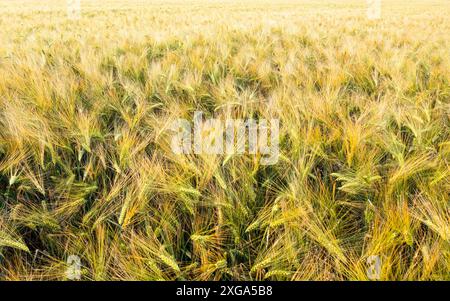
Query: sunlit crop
86, 167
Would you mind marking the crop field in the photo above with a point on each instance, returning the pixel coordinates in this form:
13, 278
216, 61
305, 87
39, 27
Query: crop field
360, 189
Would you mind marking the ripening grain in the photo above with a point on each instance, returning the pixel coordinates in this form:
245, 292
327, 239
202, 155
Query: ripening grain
86, 167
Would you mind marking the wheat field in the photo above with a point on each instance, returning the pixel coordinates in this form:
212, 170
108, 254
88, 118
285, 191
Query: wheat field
86, 167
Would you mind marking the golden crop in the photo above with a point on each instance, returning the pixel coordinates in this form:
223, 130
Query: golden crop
86, 167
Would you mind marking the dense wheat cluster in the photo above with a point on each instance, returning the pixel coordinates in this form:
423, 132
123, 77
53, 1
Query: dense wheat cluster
86, 167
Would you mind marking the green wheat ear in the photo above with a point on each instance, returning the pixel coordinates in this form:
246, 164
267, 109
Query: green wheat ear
7, 240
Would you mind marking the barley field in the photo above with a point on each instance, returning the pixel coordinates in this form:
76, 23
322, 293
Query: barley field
87, 170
